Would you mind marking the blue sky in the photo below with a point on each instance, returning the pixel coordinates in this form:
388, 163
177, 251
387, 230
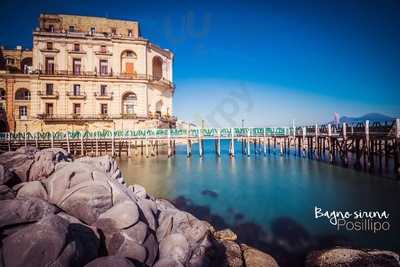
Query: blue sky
267, 62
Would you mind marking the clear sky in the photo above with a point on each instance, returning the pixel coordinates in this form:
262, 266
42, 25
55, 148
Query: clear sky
267, 62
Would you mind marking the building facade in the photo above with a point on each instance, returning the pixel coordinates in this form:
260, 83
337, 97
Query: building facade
87, 73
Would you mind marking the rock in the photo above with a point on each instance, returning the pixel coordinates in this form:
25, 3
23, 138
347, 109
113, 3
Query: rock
110, 261
80, 190
18, 163
174, 246
232, 254
18, 211
83, 242
123, 214
151, 246
7, 177
255, 258
149, 209
105, 164
195, 231
30, 150
45, 161
338, 257
225, 234
6, 192
40, 244
139, 191
164, 228
121, 245
168, 262
32, 189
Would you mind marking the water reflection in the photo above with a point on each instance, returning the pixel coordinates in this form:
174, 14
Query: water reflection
269, 201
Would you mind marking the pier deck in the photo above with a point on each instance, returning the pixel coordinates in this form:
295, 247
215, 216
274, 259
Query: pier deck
361, 145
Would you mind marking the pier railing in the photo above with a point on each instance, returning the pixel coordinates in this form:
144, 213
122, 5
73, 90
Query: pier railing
341, 130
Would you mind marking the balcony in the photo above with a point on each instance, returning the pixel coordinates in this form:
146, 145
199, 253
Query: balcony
50, 50
128, 116
72, 95
76, 51
103, 53
44, 95
67, 73
73, 117
106, 96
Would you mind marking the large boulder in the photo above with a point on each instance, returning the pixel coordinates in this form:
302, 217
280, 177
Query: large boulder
45, 162
255, 258
80, 190
174, 246
31, 189
339, 257
20, 211
49, 242
17, 166
110, 261
122, 215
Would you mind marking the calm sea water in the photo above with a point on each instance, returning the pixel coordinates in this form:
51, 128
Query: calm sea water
270, 201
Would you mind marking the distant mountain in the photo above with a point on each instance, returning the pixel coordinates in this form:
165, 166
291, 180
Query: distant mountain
372, 117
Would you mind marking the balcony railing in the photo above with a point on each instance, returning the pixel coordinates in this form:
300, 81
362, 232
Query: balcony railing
44, 95
73, 95
110, 74
105, 96
73, 117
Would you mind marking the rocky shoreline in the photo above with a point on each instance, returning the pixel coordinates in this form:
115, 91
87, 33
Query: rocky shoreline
60, 211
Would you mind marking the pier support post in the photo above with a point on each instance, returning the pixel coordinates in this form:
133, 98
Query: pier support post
248, 143
68, 144
169, 143
97, 144
330, 145
188, 144
344, 145
303, 141
265, 142
36, 139
219, 143
82, 150
368, 155
52, 140
200, 144
232, 144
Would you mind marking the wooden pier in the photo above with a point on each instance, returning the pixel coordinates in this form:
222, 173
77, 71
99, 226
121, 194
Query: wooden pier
369, 146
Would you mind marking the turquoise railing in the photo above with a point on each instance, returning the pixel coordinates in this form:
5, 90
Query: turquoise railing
149, 133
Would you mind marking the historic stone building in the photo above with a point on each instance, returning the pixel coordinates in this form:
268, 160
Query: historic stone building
86, 73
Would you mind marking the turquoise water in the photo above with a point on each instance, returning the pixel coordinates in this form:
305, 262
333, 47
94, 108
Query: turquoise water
269, 201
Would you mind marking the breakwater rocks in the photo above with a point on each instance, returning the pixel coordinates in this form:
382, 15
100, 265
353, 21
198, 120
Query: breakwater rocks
60, 211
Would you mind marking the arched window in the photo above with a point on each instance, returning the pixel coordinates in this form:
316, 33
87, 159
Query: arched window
26, 63
128, 103
2, 94
128, 59
157, 68
22, 94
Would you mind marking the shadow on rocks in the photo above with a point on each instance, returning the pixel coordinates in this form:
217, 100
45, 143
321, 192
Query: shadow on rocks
288, 241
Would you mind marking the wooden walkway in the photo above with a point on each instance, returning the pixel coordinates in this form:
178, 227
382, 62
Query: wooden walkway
364, 145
